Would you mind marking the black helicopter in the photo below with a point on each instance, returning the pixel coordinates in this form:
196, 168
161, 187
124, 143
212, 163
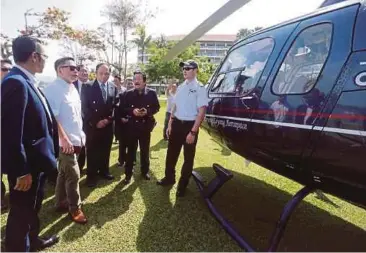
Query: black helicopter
292, 98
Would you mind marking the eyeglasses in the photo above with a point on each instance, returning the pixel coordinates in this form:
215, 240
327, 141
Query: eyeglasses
5, 69
187, 68
72, 68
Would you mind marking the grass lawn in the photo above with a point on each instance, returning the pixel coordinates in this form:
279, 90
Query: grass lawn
145, 217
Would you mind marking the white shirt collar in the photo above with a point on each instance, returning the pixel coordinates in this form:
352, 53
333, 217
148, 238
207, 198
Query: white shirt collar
193, 81
100, 83
31, 77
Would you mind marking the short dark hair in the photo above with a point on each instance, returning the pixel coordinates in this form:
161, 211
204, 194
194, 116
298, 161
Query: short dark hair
6, 61
61, 61
80, 66
23, 47
140, 73
118, 77
101, 64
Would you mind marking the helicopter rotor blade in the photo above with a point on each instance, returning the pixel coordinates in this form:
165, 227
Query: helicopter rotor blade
225, 11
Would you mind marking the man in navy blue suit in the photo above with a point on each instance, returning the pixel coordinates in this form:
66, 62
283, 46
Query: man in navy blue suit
29, 146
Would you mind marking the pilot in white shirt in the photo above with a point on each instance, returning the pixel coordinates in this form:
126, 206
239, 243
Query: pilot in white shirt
188, 112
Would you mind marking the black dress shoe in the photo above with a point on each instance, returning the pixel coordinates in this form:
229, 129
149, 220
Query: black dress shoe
107, 176
91, 182
127, 180
180, 193
165, 181
146, 176
41, 244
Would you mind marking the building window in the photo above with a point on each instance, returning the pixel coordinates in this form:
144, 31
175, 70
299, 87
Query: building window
240, 72
304, 61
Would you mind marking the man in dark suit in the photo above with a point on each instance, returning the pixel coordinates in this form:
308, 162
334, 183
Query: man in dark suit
29, 146
83, 78
139, 106
98, 100
6, 66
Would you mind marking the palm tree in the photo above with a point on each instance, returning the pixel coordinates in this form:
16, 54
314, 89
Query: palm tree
142, 41
123, 14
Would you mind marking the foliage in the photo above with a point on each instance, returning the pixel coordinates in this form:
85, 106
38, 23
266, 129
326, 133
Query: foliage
142, 40
245, 32
159, 70
5, 46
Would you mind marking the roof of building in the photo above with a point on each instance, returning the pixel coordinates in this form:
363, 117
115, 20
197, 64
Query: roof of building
207, 37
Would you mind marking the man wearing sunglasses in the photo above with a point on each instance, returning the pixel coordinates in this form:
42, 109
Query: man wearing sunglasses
187, 114
29, 141
66, 106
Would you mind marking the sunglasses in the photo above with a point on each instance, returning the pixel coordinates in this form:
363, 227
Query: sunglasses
187, 68
72, 68
5, 69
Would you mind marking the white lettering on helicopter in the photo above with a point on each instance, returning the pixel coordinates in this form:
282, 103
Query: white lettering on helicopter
214, 122
360, 79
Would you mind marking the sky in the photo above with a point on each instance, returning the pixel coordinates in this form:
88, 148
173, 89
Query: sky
172, 17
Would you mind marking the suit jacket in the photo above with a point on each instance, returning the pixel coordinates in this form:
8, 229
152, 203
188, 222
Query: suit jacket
131, 100
29, 137
93, 106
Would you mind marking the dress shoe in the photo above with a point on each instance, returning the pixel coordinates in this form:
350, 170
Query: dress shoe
180, 192
78, 216
107, 176
146, 176
127, 180
41, 244
91, 182
165, 181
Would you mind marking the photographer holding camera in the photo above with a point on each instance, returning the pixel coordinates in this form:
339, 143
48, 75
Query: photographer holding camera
139, 105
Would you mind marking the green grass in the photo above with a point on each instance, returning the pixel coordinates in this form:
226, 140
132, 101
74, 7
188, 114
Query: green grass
145, 217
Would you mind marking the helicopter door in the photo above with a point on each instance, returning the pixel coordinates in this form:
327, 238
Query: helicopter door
237, 85
301, 83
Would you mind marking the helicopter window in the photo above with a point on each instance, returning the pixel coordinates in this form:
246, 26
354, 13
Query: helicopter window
248, 54
304, 61
243, 67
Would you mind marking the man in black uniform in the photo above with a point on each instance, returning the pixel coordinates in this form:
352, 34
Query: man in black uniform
139, 106
98, 100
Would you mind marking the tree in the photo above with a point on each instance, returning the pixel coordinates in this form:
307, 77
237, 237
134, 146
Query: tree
142, 41
245, 32
122, 14
159, 69
6, 51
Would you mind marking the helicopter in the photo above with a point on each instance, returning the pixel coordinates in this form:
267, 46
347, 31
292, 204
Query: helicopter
292, 99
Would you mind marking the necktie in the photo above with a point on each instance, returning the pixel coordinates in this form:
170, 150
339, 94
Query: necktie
104, 93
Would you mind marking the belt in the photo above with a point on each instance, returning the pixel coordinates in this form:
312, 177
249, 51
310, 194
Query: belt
183, 121
77, 149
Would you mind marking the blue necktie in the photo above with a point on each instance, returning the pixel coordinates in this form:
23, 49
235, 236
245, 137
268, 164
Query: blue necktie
104, 93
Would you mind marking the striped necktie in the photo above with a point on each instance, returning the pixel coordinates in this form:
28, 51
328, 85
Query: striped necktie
104, 93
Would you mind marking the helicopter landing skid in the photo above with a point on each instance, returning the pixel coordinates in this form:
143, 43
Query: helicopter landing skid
222, 176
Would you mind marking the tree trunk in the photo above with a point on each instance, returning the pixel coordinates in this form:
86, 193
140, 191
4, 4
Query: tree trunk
125, 49
142, 54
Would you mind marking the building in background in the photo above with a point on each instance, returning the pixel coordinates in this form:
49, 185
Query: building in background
214, 46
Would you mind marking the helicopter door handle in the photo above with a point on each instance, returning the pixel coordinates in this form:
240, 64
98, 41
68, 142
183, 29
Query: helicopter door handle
243, 101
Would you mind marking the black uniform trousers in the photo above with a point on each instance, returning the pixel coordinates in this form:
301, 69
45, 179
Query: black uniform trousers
138, 136
22, 228
99, 144
177, 139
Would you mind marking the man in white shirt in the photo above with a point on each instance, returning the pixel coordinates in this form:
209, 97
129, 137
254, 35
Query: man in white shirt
187, 114
66, 106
